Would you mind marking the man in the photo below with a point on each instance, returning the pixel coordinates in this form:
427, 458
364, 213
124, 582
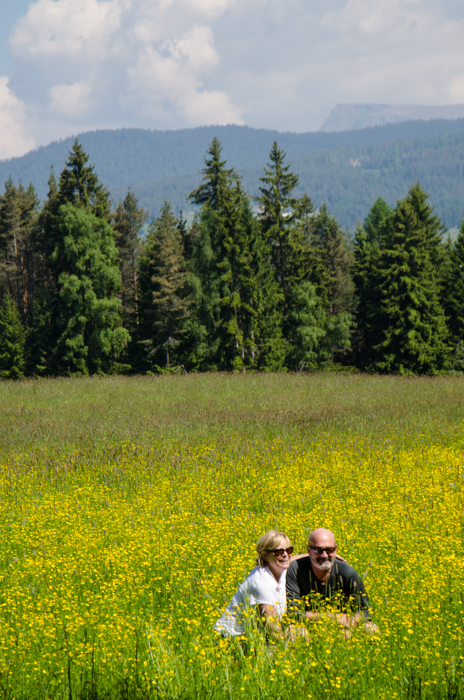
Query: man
321, 577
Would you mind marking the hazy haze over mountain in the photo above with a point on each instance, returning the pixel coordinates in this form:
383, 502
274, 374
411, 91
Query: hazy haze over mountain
352, 116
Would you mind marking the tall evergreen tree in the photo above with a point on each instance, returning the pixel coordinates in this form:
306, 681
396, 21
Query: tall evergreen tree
18, 230
365, 278
413, 336
164, 304
231, 279
90, 336
127, 222
454, 291
377, 222
331, 273
216, 177
80, 186
12, 340
82, 317
434, 235
277, 215
287, 222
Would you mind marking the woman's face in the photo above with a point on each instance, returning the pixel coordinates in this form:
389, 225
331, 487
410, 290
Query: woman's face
278, 561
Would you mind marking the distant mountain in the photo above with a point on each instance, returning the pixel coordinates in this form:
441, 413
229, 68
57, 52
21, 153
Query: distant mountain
347, 170
347, 117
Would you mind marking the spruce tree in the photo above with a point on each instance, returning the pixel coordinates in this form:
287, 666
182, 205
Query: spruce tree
287, 223
215, 177
88, 327
164, 303
128, 219
277, 215
331, 265
377, 222
367, 295
80, 186
12, 340
81, 319
18, 231
412, 333
235, 324
266, 349
454, 291
434, 231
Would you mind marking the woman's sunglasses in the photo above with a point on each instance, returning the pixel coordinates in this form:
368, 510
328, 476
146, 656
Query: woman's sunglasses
279, 552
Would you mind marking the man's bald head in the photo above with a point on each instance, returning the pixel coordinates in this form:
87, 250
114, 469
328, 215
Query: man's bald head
321, 537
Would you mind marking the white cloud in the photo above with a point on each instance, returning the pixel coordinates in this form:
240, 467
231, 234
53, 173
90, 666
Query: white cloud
13, 135
165, 82
66, 28
83, 64
72, 101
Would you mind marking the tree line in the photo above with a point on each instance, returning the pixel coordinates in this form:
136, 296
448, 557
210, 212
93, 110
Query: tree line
268, 284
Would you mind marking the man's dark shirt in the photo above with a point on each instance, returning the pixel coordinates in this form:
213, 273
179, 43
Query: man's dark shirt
344, 588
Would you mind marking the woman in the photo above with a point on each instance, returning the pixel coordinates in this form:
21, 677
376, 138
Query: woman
263, 588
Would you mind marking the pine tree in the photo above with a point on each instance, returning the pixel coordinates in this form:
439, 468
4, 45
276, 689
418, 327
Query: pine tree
235, 325
127, 222
214, 337
433, 232
266, 349
287, 223
277, 215
215, 177
164, 303
90, 336
330, 271
79, 313
80, 186
412, 329
432, 226
12, 340
377, 223
18, 230
367, 296
454, 291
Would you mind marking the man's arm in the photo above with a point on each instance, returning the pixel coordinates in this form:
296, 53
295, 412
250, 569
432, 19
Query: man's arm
357, 591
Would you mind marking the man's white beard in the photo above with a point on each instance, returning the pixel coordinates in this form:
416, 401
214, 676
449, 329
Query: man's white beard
325, 565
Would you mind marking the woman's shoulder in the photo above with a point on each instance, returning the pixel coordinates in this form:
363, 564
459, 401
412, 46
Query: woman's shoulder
257, 573
261, 577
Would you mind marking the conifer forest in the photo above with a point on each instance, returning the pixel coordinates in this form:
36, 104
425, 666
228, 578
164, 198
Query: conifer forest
269, 283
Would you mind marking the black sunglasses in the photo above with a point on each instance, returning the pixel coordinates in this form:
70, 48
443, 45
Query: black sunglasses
319, 550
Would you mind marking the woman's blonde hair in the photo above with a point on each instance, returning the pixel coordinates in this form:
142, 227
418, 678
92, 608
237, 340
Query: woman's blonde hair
267, 542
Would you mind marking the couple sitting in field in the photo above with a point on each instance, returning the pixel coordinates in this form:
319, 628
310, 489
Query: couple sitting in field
303, 583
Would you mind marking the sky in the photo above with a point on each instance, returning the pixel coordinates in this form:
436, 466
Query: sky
68, 66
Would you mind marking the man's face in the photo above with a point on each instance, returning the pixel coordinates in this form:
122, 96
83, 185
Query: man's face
322, 560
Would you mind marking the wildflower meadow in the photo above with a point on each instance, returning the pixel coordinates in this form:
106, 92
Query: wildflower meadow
129, 511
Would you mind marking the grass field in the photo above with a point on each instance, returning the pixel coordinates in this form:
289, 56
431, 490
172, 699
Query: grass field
129, 510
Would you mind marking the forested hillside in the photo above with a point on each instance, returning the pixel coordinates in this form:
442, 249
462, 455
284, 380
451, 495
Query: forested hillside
346, 170
272, 283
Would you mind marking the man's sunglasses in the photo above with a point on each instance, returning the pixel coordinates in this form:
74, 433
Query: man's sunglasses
279, 552
319, 550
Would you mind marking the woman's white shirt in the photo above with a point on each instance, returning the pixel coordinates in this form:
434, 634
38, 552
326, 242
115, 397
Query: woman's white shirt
259, 588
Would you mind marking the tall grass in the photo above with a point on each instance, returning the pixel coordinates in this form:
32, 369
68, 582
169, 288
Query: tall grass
129, 509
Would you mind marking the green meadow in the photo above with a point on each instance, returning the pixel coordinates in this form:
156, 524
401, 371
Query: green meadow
130, 507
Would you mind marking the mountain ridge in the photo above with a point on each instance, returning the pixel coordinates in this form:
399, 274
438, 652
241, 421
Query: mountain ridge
348, 116
347, 170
